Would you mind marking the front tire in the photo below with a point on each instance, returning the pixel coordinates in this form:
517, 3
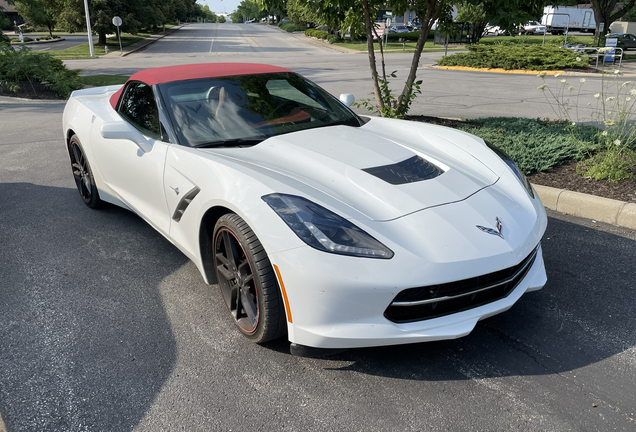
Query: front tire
247, 280
83, 174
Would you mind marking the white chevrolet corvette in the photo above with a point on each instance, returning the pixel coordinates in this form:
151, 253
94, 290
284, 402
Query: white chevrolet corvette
339, 230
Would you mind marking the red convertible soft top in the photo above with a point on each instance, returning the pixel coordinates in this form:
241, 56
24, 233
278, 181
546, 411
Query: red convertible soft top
195, 71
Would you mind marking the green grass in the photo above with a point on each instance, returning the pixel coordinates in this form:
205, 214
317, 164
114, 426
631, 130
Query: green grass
103, 80
83, 51
532, 40
395, 47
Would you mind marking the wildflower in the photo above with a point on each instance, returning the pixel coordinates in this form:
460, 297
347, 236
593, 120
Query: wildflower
609, 99
570, 88
597, 95
557, 75
589, 103
625, 83
627, 99
542, 75
542, 86
609, 113
609, 122
573, 123
604, 133
617, 72
582, 80
578, 59
632, 92
617, 142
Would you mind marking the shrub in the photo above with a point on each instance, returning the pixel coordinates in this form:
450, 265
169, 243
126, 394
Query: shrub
612, 165
333, 39
290, 27
4, 40
530, 57
318, 34
40, 38
17, 39
23, 65
534, 144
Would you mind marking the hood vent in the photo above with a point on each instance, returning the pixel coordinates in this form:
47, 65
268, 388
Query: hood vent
411, 170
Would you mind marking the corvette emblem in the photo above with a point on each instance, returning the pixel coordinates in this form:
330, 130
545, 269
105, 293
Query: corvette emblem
493, 231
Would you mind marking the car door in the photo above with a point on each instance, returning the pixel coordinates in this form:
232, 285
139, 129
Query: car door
133, 172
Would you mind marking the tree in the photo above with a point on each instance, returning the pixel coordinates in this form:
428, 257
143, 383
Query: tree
4, 21
606, 12
208, 14
510, 14
300, 13
220, 19
475, 16
40, 13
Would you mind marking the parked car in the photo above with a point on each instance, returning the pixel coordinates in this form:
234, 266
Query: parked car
337, 230
625, 40
533, 27
493, 31
414, 26
398, 29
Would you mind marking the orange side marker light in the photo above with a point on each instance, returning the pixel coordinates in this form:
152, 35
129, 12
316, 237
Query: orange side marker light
282, 288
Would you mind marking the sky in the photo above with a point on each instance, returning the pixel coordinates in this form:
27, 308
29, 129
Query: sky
218, 6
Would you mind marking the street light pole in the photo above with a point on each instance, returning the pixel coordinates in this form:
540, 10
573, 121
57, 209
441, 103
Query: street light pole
88, 27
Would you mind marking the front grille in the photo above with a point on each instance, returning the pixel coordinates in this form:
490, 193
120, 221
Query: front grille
433, 301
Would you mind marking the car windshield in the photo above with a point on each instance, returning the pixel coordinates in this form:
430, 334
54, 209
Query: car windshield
247, 109
400, 27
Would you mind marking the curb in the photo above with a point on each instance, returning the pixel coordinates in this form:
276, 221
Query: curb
36, 42
529, 72
606, 210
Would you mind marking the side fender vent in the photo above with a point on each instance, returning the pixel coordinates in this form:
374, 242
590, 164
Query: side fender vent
411, 170
184, 203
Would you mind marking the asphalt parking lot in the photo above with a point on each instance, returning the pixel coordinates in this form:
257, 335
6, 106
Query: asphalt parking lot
106, 326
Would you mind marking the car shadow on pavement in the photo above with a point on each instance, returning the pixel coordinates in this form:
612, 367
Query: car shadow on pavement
85, 341
583, 316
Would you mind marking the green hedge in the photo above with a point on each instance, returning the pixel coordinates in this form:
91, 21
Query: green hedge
24, 65
291, 27
410, 36
316, 33
534, 144
530, 57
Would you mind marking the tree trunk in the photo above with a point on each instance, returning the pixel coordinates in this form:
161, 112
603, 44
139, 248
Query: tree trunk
432, 13
102, 38
50, 26
368, 24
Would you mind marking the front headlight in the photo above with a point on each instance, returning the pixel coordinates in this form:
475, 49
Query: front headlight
515, 169
323, 229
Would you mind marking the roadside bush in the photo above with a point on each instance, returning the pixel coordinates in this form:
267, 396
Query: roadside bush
290, 27
4, 40
535, 144
530, 57
22, 65
17, 39
319, 34
332, 39
41, 38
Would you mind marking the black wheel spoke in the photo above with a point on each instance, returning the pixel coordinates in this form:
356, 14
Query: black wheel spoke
248, 306
229, 249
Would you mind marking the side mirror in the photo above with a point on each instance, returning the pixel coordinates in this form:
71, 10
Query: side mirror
122, 130
347, 98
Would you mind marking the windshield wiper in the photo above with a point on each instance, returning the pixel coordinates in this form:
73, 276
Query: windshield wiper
233, 142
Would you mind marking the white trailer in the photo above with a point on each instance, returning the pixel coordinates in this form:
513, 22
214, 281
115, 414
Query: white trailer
559, 19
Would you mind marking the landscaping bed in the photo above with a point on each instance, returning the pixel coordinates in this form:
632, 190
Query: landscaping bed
545, 144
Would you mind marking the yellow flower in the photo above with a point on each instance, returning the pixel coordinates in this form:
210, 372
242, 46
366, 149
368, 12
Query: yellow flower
573, 123
609, 122
627, 99
597, 95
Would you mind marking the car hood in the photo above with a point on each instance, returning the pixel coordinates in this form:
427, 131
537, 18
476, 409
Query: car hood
334, 159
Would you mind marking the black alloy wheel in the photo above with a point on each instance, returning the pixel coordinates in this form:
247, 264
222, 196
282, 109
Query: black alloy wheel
82, 174
247, 280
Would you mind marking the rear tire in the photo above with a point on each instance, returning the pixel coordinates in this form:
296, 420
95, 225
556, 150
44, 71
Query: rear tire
83, 174
247, 280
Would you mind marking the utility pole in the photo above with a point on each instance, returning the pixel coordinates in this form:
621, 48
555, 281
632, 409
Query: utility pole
88, 28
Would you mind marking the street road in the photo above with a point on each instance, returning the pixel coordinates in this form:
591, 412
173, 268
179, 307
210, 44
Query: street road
105, 326
70, 40
444, 93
